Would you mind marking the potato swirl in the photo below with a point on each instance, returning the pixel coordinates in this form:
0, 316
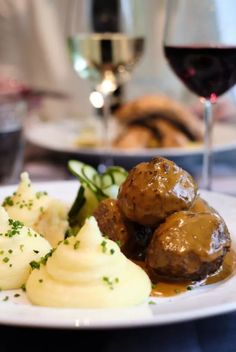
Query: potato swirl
88, 271
19, 245
26, 204
37, 210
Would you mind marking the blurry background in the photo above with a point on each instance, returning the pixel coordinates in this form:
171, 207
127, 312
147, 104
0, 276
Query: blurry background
33, 52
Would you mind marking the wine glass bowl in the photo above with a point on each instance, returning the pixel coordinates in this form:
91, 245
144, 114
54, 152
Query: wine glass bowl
105, 59
207, 71
105, 42
200, 46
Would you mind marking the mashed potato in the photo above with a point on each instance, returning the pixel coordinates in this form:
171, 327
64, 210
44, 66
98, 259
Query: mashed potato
37, 210
88, 271
19, 245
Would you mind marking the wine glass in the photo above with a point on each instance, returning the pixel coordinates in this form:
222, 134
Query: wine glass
105, 41
200, 46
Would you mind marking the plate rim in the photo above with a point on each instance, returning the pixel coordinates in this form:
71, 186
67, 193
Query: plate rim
110, 325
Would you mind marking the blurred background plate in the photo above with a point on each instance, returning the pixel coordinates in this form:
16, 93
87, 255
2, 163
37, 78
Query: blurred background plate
60, 137
64, 136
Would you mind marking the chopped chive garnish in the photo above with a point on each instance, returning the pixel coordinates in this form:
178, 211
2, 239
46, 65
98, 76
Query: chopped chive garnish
103, 245
34, 264
77, 244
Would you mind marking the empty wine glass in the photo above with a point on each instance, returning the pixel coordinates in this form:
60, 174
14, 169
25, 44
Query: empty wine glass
200, 46
105, 41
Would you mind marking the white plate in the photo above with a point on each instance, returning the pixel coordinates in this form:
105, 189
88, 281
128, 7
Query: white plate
61, 136
198, 303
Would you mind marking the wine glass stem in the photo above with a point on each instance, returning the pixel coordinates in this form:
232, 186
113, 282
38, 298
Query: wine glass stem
207, 155
106, 159
106, 116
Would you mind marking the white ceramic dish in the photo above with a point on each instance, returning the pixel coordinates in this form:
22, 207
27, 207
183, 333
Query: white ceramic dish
61, 136
198, 303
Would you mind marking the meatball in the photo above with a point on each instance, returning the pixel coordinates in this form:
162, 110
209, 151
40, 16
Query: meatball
153, 190
133, 238
201, 206
112, 223
188, 246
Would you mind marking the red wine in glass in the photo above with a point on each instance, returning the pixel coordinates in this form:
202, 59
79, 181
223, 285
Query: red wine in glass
200, 47
207, 71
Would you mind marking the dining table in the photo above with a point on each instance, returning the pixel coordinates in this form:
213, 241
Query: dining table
211, 334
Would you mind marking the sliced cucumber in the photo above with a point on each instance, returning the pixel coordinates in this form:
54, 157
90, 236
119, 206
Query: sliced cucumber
85, 173
91, 203
87, 176
76, 206
106, 180
83, 206
93, 189
117, 173
111, 191
97, 180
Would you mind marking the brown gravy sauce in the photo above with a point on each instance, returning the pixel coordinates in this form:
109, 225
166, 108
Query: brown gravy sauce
167, 289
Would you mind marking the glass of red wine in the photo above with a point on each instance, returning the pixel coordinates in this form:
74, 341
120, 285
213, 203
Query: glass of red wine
200, 46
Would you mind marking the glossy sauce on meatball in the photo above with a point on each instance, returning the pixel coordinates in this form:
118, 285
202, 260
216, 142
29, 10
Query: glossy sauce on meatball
112, 223
188, 246
201, 206
153, 190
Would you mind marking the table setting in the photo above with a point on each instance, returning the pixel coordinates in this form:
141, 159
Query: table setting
118, 225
